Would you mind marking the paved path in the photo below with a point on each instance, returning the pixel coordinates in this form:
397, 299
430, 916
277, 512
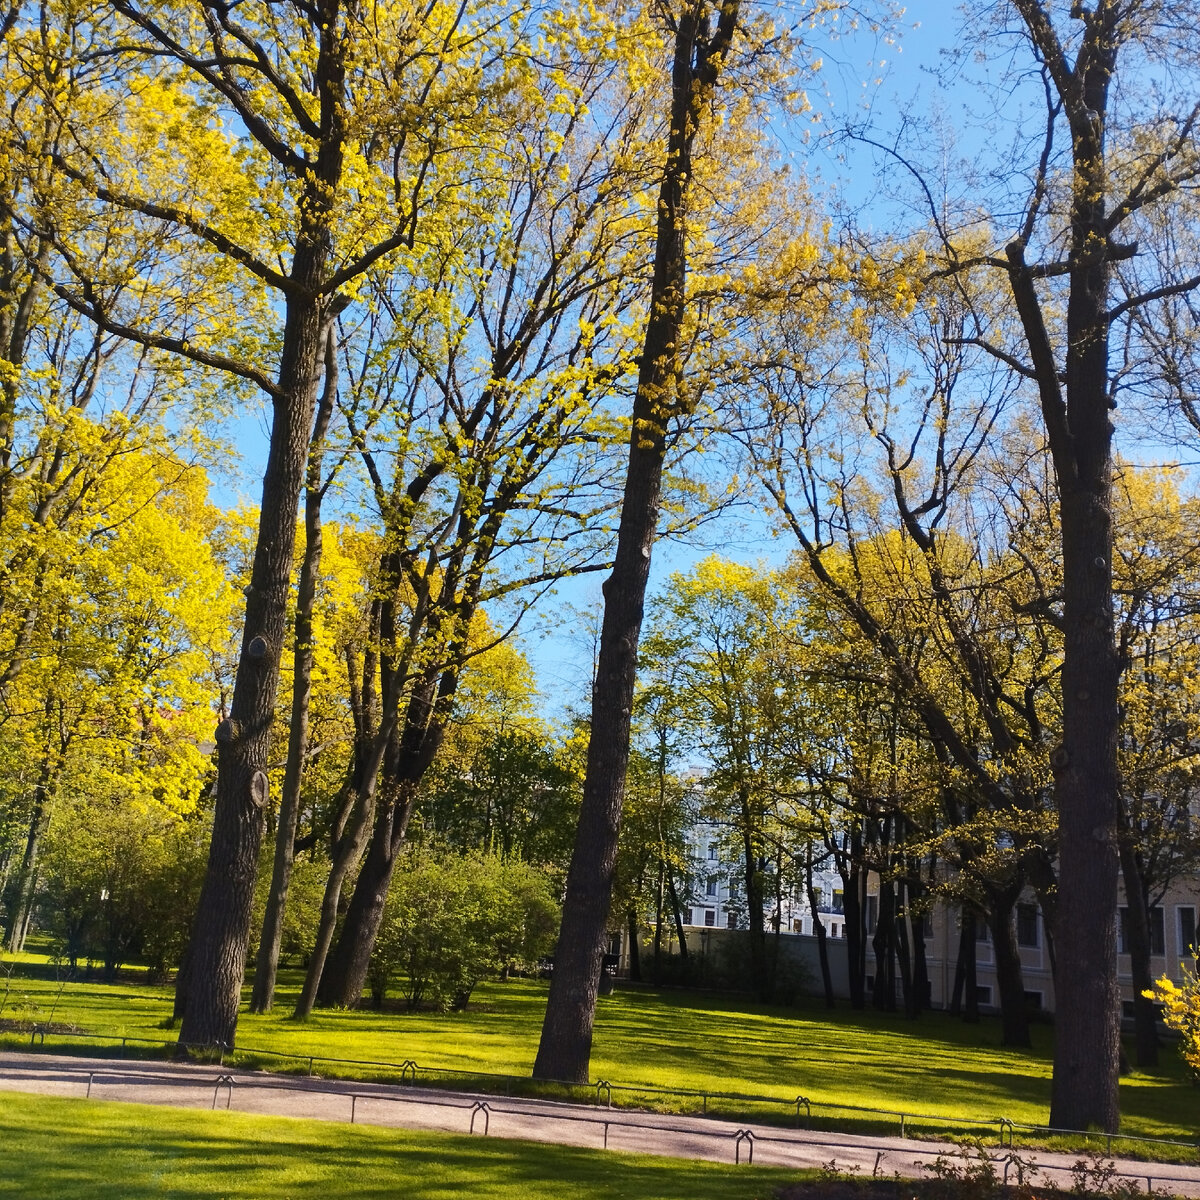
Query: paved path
412, 1107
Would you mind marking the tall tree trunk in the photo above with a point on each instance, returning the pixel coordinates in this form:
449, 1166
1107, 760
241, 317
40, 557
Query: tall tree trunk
819, 929
564, 1051
1137, 944
854, 894
1086, 1046
755, 909
920, 965
677, 913
267, 962
968, 957
20, 892
222, 925
659, 905
346, 855
1014, 1019
635, 945
903, 929
883, 943
346, 966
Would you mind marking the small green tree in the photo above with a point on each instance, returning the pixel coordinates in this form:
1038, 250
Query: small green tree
453, 919
121, 882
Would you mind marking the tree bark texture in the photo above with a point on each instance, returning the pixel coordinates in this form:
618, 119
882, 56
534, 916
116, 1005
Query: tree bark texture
848, 856
677, 914
220, 933
883, 943
564, 1052
1086, 1051
356, 811
267, 962
965, 998
635, 945
1014, 1020
1137, 945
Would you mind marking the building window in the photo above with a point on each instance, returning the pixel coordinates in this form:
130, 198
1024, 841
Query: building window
1033, 1000
797, 925
710, 916
839, 898
983, 994
981, 932
1187, 932
819, 897
691, 917
1157, 930
712, 853
711, 889
1027, 925
731, 920
872, 914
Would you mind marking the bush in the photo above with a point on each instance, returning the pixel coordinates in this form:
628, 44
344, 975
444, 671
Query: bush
452, 918
121, 882
1181, 1012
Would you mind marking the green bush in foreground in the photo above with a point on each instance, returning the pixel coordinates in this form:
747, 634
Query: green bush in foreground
84, 1150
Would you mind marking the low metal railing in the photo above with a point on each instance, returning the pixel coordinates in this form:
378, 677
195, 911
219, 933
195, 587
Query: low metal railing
478, 1114
829, 1115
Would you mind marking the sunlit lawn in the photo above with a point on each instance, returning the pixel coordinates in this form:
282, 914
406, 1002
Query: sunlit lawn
81, 1150
936, 1066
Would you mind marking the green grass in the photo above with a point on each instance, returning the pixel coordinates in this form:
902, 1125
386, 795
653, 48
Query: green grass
80, 1150
935, 1067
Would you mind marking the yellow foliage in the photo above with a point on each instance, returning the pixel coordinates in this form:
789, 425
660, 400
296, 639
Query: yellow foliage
1181, 1012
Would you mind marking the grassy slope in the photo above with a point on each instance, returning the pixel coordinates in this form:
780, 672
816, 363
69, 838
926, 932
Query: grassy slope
76, 1150
934, 1066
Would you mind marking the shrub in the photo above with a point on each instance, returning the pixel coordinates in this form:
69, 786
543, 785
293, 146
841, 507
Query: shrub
452, 918
1181, 1012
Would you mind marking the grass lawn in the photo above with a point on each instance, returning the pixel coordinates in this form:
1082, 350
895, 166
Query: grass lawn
936, 1066
78, 1150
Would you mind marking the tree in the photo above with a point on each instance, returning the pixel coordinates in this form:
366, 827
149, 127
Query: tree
1080, 285
121, 878
114, 699
303, 660
324, 173
880, 462
698, 59
499, 411
719, 625
1155, 584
